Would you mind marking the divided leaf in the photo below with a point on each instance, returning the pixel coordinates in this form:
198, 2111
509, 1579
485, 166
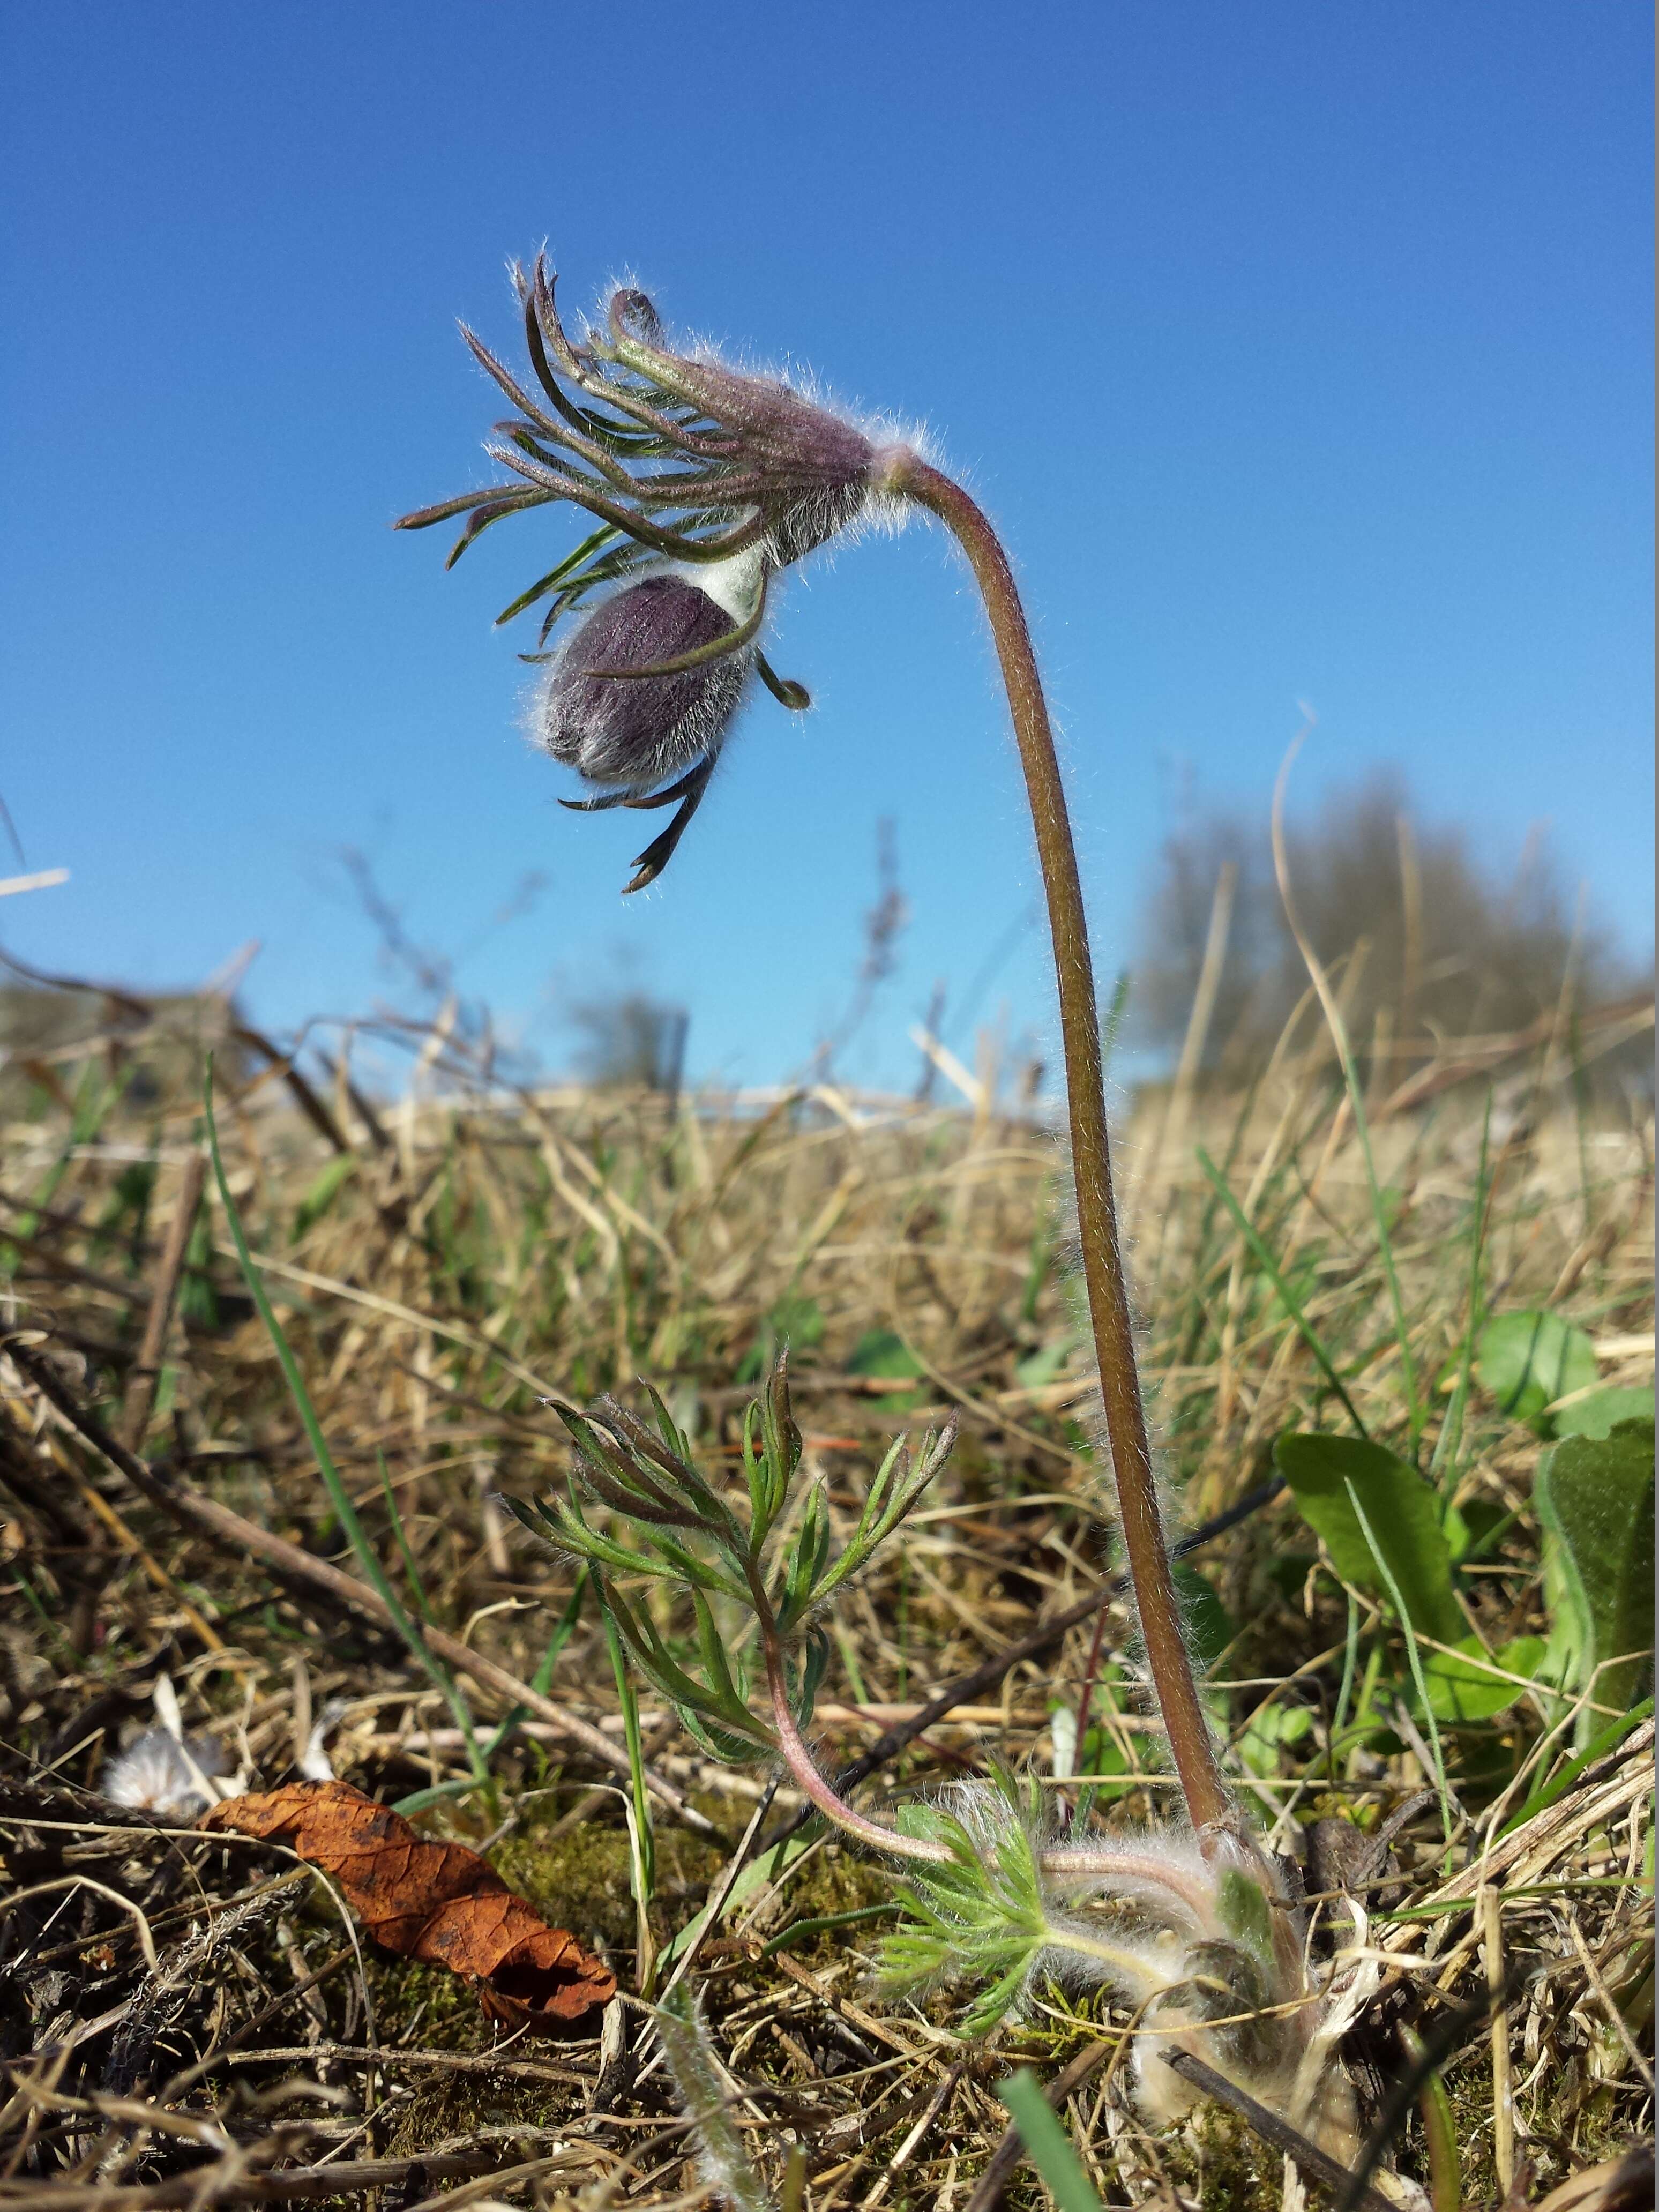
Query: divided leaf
668, 1526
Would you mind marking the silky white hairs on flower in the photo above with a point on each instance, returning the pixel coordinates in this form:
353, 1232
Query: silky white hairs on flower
833, 520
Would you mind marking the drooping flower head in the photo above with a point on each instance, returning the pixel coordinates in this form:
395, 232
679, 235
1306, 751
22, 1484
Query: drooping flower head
705, 481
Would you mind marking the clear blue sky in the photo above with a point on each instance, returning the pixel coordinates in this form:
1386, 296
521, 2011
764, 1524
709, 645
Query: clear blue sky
1302, 351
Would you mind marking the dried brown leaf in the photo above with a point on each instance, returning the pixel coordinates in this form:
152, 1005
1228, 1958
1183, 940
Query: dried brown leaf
424, 1899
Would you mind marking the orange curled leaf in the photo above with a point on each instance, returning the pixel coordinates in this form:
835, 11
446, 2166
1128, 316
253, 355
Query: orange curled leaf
428, 1899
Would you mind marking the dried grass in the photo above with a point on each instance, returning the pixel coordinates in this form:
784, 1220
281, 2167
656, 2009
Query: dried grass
441, 1263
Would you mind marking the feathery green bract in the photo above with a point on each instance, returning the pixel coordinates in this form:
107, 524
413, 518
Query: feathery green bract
979, 1918
669, 1526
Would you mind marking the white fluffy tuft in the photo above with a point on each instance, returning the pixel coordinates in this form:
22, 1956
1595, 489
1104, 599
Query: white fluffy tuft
165, 1774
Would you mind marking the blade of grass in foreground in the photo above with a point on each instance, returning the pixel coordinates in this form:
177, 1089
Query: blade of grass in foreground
1414, 1655
1045, 2140
339, 1497
1609, 1740
1288, 1298
1451, 1429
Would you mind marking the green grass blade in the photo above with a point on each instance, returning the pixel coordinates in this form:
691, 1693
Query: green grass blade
1609, 1740
1292, 1303
641, 1835
1451, 1429
1047, 2141
1414, 1655
345, 1512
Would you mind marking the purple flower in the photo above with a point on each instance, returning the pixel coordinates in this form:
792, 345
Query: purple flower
597, 712
728, 476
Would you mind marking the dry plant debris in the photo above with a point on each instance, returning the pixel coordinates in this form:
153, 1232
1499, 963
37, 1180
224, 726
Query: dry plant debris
428, 1900
181, 2022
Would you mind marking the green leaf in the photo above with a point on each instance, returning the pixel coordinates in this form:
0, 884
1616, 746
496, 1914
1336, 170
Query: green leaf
1599, 1411
1043, 1365
878, 1351
1047, 2141
1598, 1747
794, 1321
1469, 1687
327, 1186
1403, 1514
1210, 1626
1243, 1908
880, 1354
1266, 1730
1594, 1497
1527, 1360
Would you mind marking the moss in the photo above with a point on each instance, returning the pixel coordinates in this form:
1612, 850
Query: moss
1217, 2160
833, 1881
579, 1880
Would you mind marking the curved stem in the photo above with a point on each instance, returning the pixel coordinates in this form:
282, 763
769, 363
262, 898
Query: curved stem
1208, 1801
804, 1768
1136, 1873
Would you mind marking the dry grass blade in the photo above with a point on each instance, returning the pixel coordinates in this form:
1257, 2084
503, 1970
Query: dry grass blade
438, 1264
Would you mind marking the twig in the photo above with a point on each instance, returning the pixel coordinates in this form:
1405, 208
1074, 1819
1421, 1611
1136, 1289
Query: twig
201, 2185
1620, 2026
145, 1374
1317, 2164
1503, 2102
988, 2191
207, 1517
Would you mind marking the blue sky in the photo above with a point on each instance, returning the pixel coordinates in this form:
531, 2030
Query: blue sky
1300, 351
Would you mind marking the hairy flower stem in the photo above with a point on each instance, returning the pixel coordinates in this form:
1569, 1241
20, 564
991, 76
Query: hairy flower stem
1208, 1804
1077, 1862
814, 1783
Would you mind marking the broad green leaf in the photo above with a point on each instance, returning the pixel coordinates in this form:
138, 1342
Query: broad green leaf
1594, 1497
1528, 1360
880, 1354
1600, 1413
1403, 1512
1266, 1731
1210, 1627
1243, 1908
1470, 1687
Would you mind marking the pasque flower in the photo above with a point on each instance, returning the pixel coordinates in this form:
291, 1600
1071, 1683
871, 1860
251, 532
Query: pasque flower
637, 735
706, 483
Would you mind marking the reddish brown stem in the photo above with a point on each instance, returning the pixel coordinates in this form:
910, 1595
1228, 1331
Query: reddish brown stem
1207, 1802
804, 1768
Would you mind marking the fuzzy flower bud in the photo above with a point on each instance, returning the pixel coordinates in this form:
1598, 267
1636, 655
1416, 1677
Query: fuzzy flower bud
727, 477
600, 710
636, 732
